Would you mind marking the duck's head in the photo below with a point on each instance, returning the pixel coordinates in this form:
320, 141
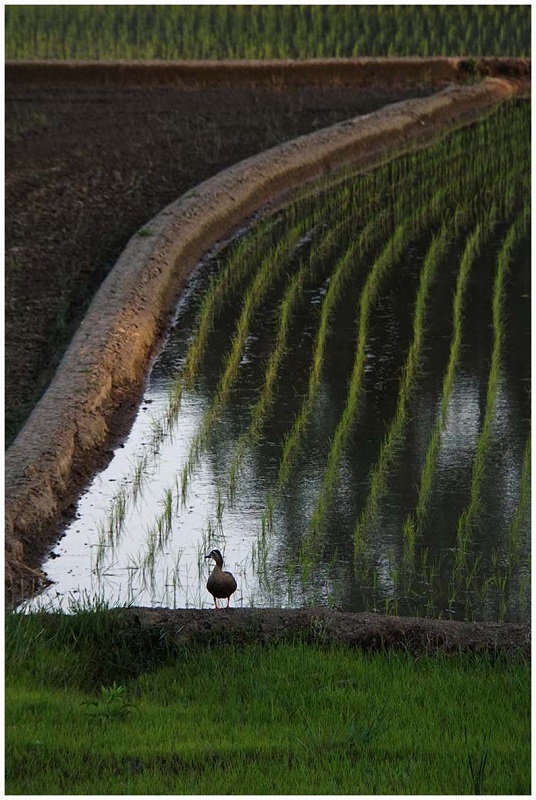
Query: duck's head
217, 556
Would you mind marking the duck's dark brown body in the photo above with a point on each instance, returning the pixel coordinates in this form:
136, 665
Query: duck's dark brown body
220, 584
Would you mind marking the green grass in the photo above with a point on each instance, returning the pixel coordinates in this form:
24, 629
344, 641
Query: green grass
227, 31
93, 707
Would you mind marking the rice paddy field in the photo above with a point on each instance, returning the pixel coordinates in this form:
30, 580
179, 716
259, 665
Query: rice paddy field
270, 31
341, 406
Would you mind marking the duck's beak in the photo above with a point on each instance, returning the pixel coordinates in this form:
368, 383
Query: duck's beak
209, 555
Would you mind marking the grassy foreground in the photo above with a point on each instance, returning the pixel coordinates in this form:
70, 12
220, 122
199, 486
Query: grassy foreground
95, 707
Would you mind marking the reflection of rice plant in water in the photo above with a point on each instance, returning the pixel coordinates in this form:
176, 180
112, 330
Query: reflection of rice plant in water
515, 529
469, 516
271, 267
389, 445
407, 230
473, 245
339, 244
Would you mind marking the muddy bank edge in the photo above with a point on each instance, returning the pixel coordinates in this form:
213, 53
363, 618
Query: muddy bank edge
365, 631
54, 454
435, 71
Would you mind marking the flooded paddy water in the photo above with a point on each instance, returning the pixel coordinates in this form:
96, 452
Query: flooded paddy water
342, 405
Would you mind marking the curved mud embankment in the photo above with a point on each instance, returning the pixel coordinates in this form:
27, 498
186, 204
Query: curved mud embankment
50, 460
436, 71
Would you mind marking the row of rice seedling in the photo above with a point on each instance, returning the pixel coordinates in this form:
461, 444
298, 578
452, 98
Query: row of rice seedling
469, 517
327, 237
405, 232
284, 31
436, 252
249, 251
413, 521
521, 512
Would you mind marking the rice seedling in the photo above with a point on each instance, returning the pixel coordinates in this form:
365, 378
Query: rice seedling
140, 471
436, 252
514, 531
468, 518
471, 250
261, 32
271, 267
168, 510
220, 508
388, 256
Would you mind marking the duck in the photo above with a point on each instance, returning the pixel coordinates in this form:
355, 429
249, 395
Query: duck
220, 584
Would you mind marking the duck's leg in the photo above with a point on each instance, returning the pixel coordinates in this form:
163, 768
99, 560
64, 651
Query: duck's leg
228, 599
215, 603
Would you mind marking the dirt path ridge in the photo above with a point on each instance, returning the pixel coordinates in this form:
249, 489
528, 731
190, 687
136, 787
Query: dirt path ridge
283, 72
365, 630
